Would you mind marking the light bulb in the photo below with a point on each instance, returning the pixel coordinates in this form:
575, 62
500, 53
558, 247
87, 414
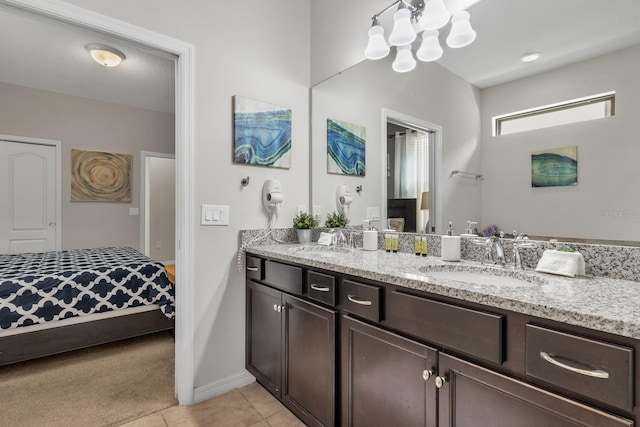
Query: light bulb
404, 61
403, 32
430, 49
461, 34
435, 15
377, 47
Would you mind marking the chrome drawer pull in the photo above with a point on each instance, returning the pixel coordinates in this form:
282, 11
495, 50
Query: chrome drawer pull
252, 268
358, 300
597, 373
320, 288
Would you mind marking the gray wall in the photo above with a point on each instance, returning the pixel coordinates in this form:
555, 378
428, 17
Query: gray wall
89, 125
605, 203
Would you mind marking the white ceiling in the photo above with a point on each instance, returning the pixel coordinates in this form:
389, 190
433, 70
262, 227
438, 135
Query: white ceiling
564, 31
51, 56
48, 55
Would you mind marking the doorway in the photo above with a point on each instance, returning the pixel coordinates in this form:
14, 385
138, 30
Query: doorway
410, 185
184, 104
158, 206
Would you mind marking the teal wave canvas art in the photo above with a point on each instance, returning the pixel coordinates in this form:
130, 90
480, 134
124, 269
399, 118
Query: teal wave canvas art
262, 133
346, 145
554, 167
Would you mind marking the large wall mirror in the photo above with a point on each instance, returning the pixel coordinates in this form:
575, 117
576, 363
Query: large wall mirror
603, 205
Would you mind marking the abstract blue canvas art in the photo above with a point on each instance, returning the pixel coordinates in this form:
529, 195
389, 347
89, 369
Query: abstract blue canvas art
262, 133
345, 148
554, 167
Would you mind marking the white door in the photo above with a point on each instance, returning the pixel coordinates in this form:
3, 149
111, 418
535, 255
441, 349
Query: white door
28, 194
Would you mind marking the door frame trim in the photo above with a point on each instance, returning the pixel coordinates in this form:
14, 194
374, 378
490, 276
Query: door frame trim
184, 112
58, 149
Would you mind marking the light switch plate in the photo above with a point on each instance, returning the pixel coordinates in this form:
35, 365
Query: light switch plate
134, 211
373, 213
214, 215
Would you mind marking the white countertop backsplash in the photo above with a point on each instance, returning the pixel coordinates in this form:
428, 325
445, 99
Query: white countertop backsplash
607, 299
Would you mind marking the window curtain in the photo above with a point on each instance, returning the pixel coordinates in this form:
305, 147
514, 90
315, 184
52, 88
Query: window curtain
411, 171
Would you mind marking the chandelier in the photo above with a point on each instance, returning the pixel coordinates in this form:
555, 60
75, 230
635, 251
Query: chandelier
429, 16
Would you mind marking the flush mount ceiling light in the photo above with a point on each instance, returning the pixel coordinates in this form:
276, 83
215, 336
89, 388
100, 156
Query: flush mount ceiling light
105, 55
530, 57
428, 16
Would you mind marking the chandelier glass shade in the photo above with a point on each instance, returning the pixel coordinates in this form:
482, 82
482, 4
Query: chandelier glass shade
427, 18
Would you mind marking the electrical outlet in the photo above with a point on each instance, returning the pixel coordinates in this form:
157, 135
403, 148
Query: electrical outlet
373, 213
158, 244
300, 209
317, 212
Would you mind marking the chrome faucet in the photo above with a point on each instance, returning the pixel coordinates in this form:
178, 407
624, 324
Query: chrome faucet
338, 238
521, 242
494, 251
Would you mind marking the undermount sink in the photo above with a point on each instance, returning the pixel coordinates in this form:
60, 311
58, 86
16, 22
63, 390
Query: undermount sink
482, 275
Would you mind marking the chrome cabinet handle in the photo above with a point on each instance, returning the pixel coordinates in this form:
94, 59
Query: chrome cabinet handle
440, 381
320, 288
597, 373
358, 300
252, 268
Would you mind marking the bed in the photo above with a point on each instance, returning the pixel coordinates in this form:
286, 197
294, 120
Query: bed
54, 302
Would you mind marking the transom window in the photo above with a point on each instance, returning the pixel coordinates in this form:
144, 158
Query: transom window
577, 110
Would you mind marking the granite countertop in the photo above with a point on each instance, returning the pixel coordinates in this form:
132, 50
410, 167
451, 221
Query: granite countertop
603, 304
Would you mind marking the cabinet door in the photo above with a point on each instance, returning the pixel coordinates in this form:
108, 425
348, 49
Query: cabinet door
309, 361
475, 396
264, 335
385, 378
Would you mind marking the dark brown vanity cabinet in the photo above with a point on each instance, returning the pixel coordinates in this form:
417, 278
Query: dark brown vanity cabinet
387, 380
408, 358
474, 396
290, 346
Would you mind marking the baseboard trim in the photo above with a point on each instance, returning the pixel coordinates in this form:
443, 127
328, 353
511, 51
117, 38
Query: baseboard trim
224, 385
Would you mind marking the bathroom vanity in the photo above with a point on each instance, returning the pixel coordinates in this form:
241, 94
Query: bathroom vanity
356, 338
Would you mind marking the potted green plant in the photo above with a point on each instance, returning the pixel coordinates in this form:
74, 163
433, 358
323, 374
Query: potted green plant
303, 223
336, 220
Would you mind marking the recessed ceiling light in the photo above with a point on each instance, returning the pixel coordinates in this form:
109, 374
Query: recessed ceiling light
530, 57
105, 55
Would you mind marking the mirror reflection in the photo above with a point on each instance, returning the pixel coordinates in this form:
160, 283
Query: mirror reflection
602, 205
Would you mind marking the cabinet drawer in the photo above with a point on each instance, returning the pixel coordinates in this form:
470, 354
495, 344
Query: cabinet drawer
321, 287
254, 267
360, 299
591, 368
283, 276
473, 332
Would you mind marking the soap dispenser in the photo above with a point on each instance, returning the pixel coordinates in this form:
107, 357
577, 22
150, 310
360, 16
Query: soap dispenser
369, 236
450, 245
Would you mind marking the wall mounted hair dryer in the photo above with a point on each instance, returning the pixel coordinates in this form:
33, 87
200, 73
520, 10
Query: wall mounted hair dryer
272, 198
343, 198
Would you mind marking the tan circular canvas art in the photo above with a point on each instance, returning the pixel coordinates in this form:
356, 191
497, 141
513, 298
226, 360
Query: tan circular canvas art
102, 177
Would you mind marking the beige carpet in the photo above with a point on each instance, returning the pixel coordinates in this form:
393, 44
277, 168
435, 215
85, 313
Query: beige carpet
100, 386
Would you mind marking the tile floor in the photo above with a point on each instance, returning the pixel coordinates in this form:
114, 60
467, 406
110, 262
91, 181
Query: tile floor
249, 406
